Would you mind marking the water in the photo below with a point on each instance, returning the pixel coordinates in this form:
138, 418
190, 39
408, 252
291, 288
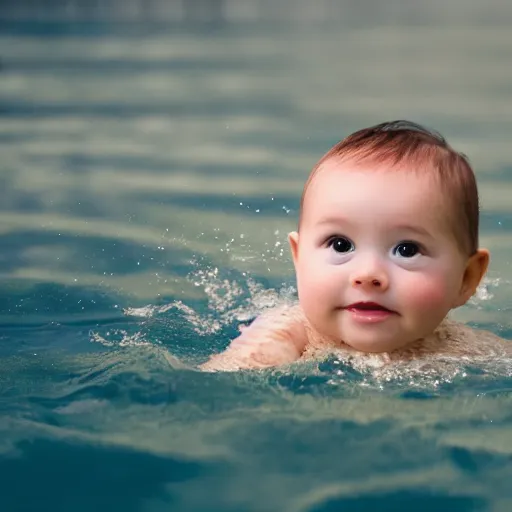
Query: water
149, 176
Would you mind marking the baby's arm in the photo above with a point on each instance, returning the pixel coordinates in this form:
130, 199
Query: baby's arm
275, 338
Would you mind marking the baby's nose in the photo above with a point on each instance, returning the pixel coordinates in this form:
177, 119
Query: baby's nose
373, 277
373, 282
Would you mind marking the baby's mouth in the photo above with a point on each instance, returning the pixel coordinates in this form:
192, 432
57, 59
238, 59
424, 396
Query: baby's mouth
369, 311
367, 306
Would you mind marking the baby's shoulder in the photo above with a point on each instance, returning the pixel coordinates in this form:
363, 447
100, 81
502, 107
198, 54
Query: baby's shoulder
460, 339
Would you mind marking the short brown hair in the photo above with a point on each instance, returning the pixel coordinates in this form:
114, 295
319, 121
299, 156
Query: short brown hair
403, 142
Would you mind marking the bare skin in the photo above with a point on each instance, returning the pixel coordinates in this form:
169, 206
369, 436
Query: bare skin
282, 336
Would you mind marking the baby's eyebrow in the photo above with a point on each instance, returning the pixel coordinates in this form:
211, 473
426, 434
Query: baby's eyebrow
329, 221
414, 229
341, 221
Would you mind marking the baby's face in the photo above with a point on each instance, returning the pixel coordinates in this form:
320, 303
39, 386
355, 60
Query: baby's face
376, 261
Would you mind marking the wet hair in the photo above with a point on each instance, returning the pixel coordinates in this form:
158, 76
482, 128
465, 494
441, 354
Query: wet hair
406, 145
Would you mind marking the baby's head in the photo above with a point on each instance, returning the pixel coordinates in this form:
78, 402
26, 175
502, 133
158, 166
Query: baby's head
388, 237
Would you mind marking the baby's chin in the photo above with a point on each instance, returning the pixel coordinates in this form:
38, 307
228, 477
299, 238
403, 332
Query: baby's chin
375, 346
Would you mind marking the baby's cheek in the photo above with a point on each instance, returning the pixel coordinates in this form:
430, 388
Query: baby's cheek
428, 293
315, 299
312, 285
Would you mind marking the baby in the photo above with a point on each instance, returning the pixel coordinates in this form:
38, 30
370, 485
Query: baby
387, 245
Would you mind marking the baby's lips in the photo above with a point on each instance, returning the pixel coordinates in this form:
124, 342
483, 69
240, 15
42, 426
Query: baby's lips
367, 305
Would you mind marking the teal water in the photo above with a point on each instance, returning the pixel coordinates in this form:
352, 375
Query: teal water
149, 176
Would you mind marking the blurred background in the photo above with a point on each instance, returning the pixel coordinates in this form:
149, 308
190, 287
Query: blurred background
139, 136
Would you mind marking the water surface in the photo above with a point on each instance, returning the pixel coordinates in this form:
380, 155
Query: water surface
149, 176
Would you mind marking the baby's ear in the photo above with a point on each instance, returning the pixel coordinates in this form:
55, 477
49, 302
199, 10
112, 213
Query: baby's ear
476, 268
293, 240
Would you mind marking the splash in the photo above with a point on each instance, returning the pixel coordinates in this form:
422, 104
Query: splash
433, 375
228, 302
485, 291
120, 338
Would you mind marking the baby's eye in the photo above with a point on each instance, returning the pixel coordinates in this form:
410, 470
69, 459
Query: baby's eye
407, 249
340, 244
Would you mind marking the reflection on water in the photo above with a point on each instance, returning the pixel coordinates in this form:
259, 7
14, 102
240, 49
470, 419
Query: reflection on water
148, 179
